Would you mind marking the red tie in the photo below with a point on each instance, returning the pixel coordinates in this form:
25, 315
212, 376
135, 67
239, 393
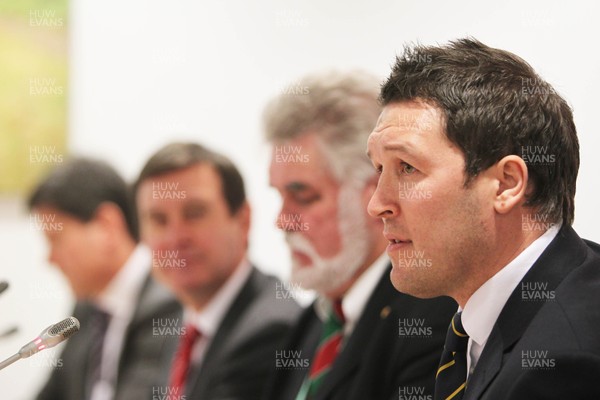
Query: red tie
181, 363
328, 349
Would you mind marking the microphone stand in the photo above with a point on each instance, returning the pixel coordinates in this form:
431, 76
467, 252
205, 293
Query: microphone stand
10, 360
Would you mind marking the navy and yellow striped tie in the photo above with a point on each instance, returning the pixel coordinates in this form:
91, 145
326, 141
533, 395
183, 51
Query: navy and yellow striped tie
451, 377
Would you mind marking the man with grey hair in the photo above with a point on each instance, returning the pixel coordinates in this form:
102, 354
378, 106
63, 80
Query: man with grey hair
360, 339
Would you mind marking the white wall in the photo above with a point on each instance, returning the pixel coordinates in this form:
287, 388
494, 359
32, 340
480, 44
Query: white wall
145, 72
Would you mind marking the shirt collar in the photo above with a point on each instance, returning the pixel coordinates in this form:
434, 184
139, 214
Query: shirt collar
484, 306
357, 296
119, 298
209, 318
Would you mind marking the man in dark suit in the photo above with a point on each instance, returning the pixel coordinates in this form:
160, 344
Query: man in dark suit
496, 147
195, 218
83, 208
360, 339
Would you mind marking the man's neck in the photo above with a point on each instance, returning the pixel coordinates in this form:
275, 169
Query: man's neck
511, 246
120, 255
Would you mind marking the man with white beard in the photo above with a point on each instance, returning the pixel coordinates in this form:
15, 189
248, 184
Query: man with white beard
360, 339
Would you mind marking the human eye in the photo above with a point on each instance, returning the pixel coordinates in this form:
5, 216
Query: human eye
195, 211
302, 194
306, 198
157, 219
406, 168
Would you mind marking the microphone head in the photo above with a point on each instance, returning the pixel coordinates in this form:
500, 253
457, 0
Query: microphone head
65, 328
51, 336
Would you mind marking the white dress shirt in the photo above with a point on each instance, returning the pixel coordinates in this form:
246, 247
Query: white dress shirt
208, 320
353, 303
484, 306
119, 299
357, 296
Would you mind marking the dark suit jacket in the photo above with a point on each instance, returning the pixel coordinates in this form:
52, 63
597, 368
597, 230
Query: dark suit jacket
547, 348
143, 358
238, 360
386, 355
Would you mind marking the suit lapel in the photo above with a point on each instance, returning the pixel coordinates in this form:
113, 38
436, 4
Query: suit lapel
198, 384
488, 367
78, 355
563, 254
307, 341
352, 353
151, 299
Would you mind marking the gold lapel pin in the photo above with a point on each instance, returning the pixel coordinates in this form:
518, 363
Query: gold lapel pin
385, 311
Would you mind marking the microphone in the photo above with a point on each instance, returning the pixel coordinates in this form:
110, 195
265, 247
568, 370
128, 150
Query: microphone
49, 337
3, 286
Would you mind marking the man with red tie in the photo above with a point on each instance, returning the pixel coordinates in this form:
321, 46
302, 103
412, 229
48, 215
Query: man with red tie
360, 339
194, 216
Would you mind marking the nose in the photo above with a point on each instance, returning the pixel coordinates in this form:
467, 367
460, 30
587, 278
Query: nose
384, 201
287, 220
278, 220
178, 234
52, 256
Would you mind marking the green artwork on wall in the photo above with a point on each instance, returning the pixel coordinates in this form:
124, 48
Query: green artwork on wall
33, 90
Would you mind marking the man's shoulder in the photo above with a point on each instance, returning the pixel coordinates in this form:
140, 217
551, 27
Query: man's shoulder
573, 306
258, 310
154, 301
560, 297
578, 294
271, 297
562, 340
558, 356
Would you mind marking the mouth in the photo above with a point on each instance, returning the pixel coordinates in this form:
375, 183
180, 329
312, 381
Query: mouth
302, 259
395, 243
392, 238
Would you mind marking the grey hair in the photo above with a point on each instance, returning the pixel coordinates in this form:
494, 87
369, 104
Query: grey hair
340, 108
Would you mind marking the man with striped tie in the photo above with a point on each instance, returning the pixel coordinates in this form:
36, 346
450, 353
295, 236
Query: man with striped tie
360, 339
496, 148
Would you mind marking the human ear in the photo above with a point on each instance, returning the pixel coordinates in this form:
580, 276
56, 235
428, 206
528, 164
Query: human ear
512, 175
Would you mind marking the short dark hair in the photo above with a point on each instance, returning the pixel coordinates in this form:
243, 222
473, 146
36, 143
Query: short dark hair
79, 186
494, 104
177, 156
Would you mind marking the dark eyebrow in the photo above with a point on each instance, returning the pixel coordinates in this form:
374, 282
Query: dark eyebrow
394, 147
196, 204
397, 147
296, 186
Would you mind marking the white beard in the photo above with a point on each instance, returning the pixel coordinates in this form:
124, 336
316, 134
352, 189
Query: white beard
328, 274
